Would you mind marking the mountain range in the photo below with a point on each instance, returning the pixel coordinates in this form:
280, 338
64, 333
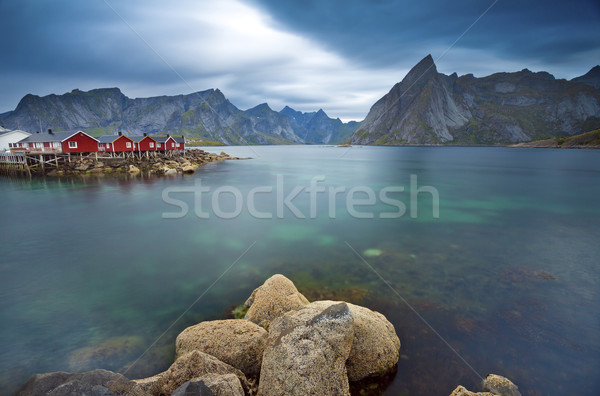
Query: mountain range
426, 107
206, 115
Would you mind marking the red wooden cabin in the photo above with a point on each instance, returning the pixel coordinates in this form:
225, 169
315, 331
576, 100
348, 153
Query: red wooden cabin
116, 143
146, 143
59, 142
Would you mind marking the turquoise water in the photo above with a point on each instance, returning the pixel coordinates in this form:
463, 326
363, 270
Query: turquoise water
93, 271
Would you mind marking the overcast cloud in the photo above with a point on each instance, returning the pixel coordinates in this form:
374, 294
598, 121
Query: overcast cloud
339, 55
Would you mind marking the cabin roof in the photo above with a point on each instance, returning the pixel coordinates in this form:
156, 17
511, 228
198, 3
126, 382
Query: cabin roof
139, 138
112, 138
52, 137
161, 139
8, 132
107, 138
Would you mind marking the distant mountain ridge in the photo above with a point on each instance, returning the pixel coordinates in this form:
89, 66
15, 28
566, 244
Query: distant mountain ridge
206, 114
428, 107
317, 127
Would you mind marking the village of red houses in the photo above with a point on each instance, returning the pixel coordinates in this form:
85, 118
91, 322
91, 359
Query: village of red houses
22, 151
81, 142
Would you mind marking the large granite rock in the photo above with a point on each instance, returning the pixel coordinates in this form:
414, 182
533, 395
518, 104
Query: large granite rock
462, 391
275, 297
306, 352
211, 384
92, 383
193, 388
189, 366
500, 386
375, 348
237, 342
495, 384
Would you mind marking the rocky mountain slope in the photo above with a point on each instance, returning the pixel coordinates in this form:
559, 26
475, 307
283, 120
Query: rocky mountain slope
207, 114
428, 107
317, 127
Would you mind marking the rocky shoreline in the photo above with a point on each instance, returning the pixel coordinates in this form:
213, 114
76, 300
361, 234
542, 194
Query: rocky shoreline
284, 345
156, 164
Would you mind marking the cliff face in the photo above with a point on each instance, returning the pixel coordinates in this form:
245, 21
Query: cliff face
207, 114
428, 107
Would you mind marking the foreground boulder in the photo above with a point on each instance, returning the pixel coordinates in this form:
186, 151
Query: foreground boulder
306, 352
495, 384
189, 366
462, 391
237, 342
500, 386
92, 383
275, 297
375, 347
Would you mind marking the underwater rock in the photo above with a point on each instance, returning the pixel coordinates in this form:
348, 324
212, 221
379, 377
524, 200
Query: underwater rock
525, 275
372, 252
275, 297
375, 347
237, 342
93, 383
109, 354
189, 366
306, 352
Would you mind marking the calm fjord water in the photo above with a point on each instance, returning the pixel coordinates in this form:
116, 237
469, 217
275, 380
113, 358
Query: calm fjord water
91, 273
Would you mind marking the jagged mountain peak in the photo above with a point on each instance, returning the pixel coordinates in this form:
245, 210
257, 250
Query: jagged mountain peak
422, 71
592, 77
428, 107
263, 107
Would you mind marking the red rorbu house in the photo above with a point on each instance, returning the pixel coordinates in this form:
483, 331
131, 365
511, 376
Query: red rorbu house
167, 143
57, 142
115, 143
145, 143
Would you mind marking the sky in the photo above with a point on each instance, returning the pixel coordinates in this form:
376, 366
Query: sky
337, 55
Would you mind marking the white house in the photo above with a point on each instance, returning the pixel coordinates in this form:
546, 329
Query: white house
7, 137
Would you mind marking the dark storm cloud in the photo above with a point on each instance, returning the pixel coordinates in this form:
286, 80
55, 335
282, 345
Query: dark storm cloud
388, 32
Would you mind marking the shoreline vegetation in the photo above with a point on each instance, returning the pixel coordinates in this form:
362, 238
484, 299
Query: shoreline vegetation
283, 345
588, 140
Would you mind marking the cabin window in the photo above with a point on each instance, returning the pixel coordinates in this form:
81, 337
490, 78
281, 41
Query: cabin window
177, 144
128, 144
72, 144
151, 145
158, 145
107, 145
